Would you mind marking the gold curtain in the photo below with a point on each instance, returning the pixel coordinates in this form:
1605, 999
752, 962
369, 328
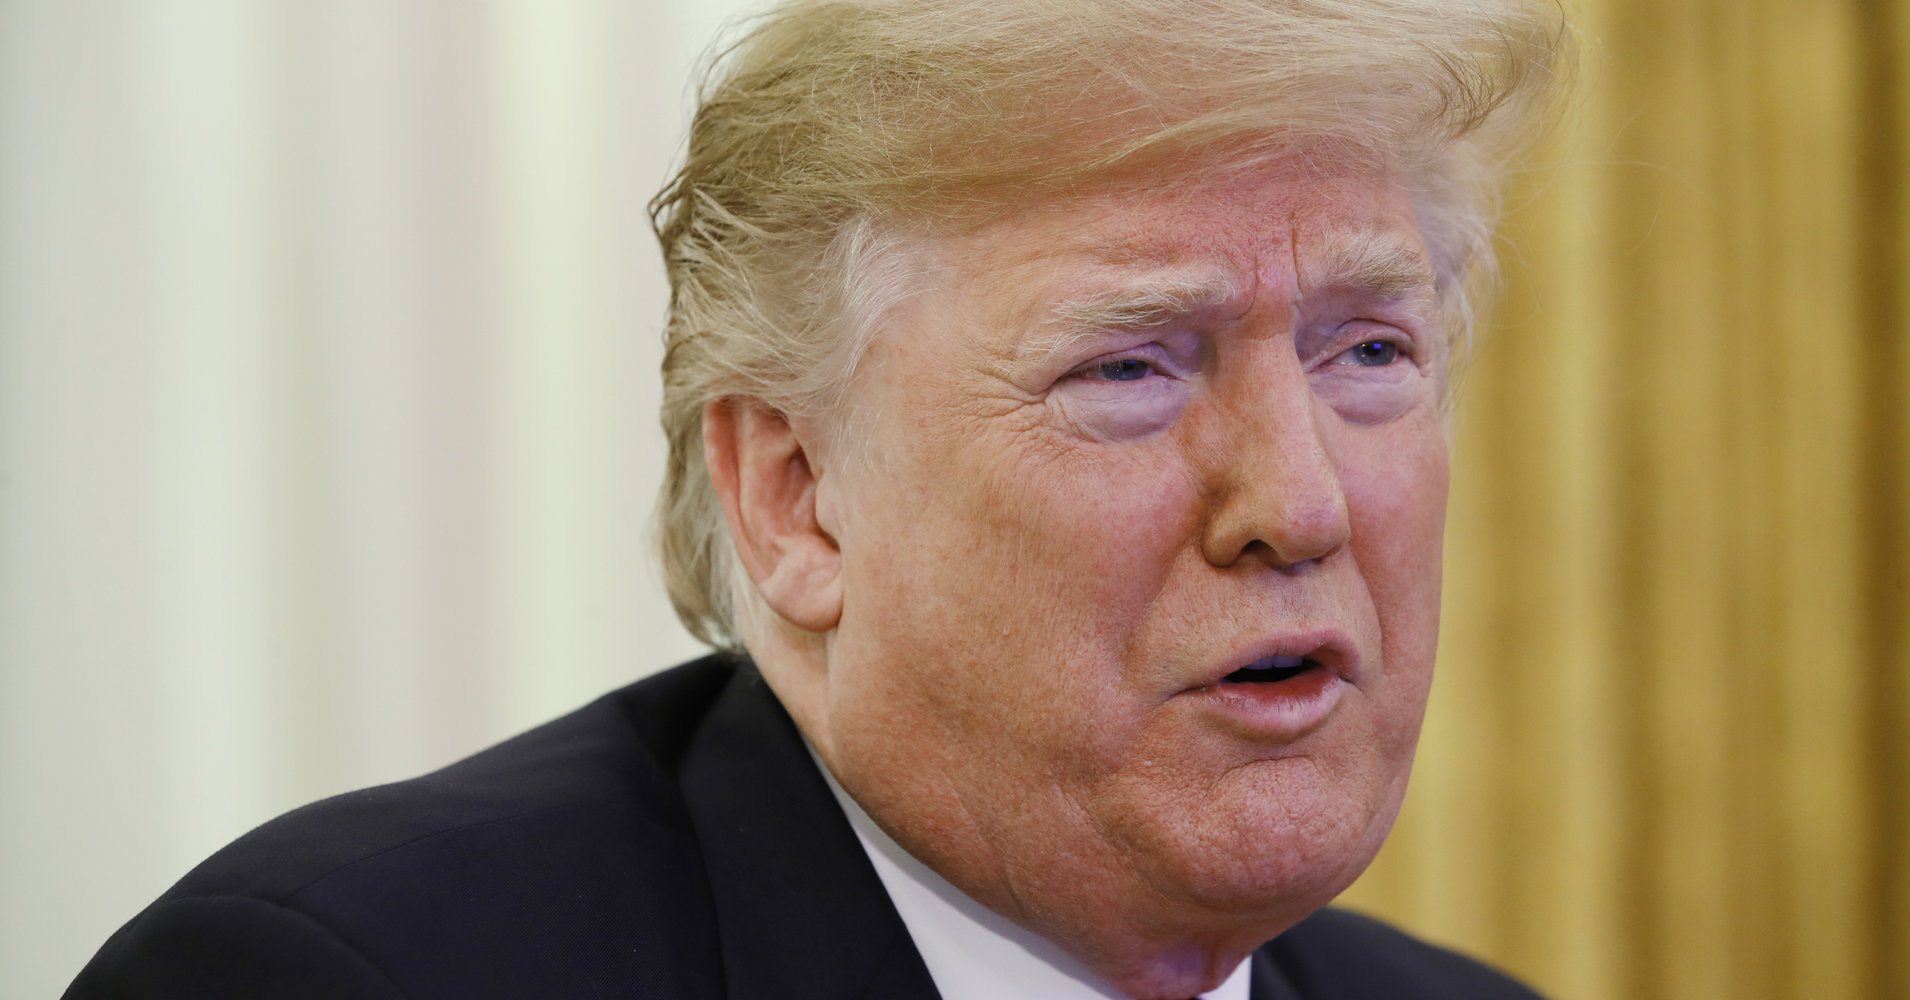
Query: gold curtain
1668, 754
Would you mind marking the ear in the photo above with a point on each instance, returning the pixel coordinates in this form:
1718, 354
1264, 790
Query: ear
769, 488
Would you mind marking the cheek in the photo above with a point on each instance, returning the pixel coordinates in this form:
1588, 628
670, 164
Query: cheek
1396, 500
1031, 526
1022, 572
1096, 532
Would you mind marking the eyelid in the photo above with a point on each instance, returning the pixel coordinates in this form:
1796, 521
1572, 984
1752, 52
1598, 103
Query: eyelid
1152, 352
1364, 331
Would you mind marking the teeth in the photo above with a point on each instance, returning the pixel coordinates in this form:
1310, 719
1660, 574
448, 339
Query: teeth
1277, 663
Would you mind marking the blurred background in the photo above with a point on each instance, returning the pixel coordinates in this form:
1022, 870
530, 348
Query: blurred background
328, 339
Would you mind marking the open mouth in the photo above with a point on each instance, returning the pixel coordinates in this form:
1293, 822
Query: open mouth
1273, 670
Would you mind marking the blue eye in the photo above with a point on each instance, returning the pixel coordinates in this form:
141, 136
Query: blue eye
1374, 354
1125, 370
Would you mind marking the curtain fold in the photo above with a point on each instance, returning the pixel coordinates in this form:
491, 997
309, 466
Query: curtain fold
326, 443
1666, 755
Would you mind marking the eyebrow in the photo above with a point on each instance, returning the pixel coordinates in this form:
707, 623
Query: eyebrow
1377, 265
1144, 305
1366, 262
1135, 306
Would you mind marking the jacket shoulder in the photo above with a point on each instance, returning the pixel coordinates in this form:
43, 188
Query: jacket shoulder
1342, 955
566, 848
617, 754
229, 946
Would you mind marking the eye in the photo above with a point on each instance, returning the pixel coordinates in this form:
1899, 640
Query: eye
1374, 379
1134, 366
1372, 354
1125, 394
1122, 370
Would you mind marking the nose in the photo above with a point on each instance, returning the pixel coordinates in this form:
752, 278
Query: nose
1278, 497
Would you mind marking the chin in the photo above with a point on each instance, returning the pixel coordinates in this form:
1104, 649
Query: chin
1272, 889
1268, 852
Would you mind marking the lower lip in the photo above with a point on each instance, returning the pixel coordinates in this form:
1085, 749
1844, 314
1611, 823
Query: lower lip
1283, 711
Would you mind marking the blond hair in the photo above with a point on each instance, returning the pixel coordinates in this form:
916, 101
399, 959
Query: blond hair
835, 131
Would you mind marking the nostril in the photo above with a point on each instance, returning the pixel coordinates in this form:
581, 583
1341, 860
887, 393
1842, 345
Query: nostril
1284, 519
1260, 551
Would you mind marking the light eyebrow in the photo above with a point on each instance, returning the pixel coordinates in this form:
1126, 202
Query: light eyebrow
1376, 264
1143, 305
1138, 305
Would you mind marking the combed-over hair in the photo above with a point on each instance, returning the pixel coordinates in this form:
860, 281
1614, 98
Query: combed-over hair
835, 131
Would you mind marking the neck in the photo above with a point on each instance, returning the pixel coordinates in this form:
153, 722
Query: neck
1121, 929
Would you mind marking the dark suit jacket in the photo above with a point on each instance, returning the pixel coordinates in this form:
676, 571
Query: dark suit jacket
672, 839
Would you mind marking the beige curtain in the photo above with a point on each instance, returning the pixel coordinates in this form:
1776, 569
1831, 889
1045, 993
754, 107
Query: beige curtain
325, 445
329, 333
1669, 752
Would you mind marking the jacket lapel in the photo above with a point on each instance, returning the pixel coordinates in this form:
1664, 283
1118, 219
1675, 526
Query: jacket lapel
1267, 982
800, 912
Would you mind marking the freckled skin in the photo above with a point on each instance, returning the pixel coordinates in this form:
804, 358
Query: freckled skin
1032, 586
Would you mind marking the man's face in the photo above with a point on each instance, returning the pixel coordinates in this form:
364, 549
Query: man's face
1141, 558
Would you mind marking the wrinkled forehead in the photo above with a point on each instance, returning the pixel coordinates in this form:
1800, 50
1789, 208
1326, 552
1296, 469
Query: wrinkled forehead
1141, 249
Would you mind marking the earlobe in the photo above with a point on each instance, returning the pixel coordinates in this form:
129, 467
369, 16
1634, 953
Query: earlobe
769, 485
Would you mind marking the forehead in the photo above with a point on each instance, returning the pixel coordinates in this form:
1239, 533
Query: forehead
1205, 236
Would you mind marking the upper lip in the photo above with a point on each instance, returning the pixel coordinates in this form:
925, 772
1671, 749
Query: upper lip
1330, 648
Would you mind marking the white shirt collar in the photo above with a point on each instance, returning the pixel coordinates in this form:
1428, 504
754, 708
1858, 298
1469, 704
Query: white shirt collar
972, 952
